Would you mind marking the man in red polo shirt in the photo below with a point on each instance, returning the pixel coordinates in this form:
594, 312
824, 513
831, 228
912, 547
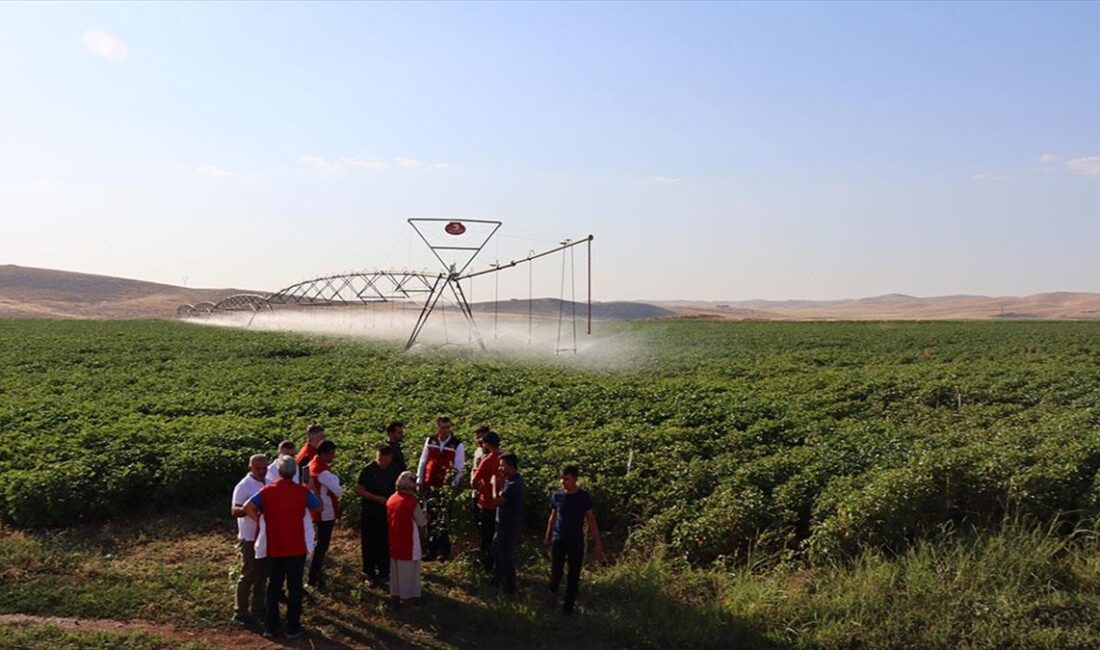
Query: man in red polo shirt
482, 482
283, 506
315, 435
326, 485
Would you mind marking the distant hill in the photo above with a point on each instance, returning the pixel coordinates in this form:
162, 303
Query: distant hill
27, 292
549, 308
1054, 305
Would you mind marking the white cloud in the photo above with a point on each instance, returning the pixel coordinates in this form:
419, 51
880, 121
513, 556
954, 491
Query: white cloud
988, 177
358, 161
212, 170
108, 46
666, 180
320, 164
1047, 158
1085, 166
36, 185
346, 163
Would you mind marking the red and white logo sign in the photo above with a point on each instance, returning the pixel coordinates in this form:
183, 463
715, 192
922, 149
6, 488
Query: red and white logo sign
455, 228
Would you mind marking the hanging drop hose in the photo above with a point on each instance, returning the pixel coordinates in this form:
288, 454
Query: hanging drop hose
530, 295
573, 297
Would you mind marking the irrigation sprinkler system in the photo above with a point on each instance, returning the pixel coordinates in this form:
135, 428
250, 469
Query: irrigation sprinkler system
455, 244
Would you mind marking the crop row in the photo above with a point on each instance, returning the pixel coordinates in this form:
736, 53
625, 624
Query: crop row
713, 438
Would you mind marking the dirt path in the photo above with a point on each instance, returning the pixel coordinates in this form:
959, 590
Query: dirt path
214, 637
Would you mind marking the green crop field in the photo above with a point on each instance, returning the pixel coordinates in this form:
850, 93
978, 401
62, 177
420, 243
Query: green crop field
740, 462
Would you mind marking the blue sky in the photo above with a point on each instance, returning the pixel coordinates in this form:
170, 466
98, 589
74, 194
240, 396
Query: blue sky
716, 151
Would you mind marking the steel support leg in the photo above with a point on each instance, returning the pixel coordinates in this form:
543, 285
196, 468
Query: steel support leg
429, 305
464, 305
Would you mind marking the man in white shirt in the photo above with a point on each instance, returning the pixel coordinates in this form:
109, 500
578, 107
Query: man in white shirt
286, 448
327, 486
253, 571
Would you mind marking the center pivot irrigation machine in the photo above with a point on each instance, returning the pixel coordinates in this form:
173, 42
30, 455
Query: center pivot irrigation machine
455, 244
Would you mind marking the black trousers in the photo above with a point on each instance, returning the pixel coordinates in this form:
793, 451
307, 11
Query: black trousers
437, 502
487, 526
504, 550
562, 552
375, 537
324, 538
280, 570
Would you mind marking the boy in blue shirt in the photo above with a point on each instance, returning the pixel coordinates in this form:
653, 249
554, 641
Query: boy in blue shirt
570, 509
509, 495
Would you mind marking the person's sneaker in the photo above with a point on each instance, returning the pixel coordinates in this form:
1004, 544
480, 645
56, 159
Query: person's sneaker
242, 618
269, 634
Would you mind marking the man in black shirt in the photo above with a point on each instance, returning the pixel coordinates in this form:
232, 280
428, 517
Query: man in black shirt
375, 485
509, 495
395, 433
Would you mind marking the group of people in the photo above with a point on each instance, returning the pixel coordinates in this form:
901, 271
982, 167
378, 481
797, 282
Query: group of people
286, 511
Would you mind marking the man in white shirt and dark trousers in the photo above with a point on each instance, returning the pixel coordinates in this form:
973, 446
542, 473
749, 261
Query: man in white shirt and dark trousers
327, 486
253, 578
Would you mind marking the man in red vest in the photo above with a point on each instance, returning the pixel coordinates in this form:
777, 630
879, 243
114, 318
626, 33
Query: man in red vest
283, 506
442, 464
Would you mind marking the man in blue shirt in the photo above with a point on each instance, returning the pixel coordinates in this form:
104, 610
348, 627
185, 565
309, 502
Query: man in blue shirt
570, 509
509, 522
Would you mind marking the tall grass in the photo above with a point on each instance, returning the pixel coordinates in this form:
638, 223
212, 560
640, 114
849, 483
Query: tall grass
1024, 585
1021, 585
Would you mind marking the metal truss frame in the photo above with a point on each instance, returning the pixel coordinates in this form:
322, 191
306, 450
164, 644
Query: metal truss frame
355, 288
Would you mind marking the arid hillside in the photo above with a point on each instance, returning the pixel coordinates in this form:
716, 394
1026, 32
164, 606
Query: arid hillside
27, 292
1055, 305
